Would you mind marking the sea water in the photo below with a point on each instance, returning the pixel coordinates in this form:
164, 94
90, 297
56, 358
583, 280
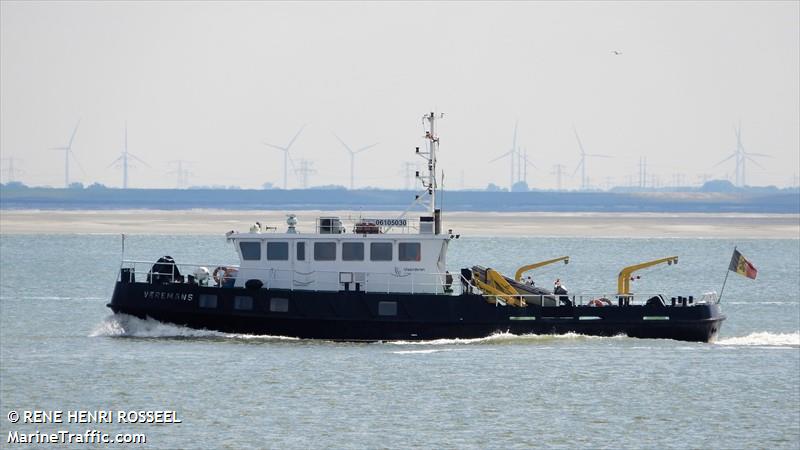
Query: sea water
61, 349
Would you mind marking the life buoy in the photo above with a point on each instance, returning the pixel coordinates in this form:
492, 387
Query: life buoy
600, 302
222, 273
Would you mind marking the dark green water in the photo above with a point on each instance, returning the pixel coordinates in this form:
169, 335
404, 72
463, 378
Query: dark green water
60, 349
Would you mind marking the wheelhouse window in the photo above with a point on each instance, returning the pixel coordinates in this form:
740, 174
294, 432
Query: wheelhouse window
251, 251
380, 251
301, 251
324, 251
409, 251
277, 251
352, 251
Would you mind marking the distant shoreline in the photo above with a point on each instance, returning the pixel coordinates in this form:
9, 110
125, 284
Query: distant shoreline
556, 224
749, 201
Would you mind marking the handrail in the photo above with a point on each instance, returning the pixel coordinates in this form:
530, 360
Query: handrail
329, 280
431, 281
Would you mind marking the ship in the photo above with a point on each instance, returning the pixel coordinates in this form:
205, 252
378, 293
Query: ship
386, 279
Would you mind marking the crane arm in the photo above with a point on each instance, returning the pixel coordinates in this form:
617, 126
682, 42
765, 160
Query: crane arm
624, 278
523, 269
496, 285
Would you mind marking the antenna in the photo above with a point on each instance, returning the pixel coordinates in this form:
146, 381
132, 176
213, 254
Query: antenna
353, 154
286, 158
429, 183
428, 197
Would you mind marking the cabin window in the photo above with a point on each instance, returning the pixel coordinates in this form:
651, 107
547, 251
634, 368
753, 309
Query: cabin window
387, 308
301, 251
251, 251
207, 301
324, 251
279, 304
352, 251
409, 251
277, 251
380, 251
243, 303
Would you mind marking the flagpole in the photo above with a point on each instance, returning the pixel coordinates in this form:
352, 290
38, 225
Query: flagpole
727, 272
122, 257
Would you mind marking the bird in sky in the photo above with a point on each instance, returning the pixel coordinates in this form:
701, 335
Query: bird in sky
616, 52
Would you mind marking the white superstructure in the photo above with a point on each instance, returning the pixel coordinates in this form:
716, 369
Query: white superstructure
388, 255
325, 261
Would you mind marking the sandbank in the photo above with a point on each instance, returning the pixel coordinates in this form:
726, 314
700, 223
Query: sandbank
207, 221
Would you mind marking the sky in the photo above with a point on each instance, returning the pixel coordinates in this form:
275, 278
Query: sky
209, 83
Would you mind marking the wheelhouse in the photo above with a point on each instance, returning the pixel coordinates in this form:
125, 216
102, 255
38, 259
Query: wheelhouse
366, 256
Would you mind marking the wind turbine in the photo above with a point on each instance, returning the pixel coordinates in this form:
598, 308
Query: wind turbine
67, 151
353, 154
582, 164
286, 158
512, 154
742, 156
123, 158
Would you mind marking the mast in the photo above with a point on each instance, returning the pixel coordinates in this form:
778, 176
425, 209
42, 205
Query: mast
429, 182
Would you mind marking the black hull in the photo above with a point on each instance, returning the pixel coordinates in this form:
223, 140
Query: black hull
357, 316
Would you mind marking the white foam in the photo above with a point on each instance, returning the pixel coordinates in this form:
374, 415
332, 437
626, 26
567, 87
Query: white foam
763, 303
504, 338
418, 352
51, 298
764, 339
123, 325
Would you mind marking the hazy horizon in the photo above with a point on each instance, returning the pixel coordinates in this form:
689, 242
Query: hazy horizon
210, 83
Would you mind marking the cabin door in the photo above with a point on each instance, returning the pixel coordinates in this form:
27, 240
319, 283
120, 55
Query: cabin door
303, 275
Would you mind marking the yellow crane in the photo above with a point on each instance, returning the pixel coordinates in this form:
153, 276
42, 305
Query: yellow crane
523, 269
498, 288
624, 278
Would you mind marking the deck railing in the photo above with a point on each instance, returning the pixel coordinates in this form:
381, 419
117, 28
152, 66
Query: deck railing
317, 280
372, 282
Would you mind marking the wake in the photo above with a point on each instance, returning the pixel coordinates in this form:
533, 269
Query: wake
764, 339
507, 338
123, 325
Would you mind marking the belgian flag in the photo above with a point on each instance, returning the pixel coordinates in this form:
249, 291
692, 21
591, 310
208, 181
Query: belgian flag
742, 266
